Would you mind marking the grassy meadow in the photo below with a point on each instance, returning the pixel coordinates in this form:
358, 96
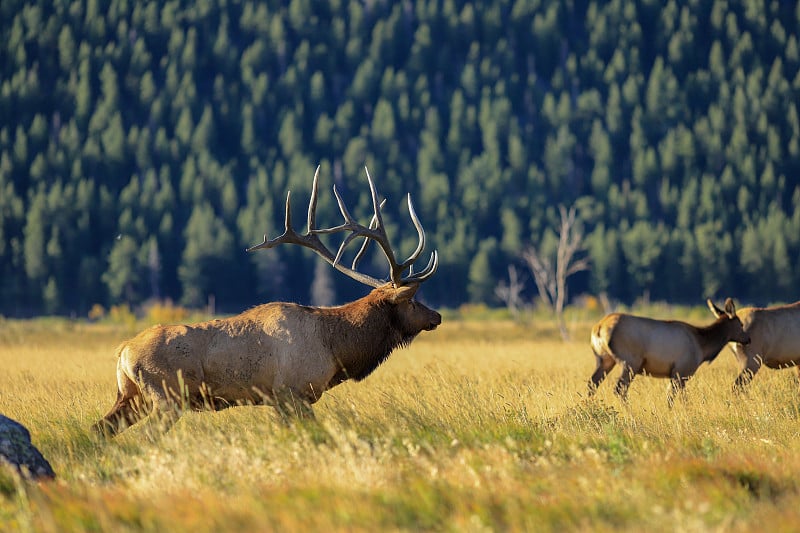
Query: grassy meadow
482, 425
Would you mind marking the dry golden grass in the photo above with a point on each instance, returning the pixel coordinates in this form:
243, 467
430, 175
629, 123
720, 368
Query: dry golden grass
477, 426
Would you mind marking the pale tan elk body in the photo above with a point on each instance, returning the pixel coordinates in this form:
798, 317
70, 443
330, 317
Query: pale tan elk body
774, 340
659, 348
283, 353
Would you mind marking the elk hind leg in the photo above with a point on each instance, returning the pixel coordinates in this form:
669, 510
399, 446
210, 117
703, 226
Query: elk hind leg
750, 369
165, 403
128, 409
624, 382
604, 365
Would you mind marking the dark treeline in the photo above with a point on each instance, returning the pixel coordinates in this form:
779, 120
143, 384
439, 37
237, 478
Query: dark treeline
145, 144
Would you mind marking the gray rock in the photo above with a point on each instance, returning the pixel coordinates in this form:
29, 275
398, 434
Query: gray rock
17, 451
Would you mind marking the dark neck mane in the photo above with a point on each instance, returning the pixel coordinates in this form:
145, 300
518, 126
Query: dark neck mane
363, 335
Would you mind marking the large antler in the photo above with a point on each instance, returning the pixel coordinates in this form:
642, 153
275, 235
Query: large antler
374, 232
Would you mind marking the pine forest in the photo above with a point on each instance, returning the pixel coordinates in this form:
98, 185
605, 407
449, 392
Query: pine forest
144, 145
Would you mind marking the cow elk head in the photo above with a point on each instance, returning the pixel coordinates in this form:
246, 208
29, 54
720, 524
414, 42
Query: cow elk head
729, 315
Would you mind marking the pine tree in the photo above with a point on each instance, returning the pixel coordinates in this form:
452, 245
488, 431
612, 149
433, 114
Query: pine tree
481, 282
123, 278
208, 244
322, 290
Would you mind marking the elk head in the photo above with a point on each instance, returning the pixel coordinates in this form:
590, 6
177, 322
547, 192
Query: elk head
729, 315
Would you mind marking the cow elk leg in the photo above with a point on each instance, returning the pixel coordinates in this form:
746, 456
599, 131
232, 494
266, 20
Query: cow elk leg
604, 366
628, 372
747, 373
678, 387
125, 413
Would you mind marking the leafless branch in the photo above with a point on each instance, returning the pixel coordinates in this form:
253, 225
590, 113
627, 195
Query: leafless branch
551, 279
510, 293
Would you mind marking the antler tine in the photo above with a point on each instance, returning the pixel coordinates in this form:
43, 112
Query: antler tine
372, 225
312, 203
342, 247
376, 206
425, 273
289, 235
395, 270
349, 223
420, 232
433, 262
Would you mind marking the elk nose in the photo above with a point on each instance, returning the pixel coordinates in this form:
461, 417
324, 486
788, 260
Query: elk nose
435, 321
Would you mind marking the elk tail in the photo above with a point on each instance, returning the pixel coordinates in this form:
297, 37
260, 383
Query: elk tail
599, 345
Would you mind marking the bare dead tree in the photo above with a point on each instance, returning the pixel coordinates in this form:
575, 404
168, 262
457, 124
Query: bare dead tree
511, 293
550, 274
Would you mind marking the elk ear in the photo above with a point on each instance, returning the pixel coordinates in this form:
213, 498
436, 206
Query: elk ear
730, 308
716, 311
403, 293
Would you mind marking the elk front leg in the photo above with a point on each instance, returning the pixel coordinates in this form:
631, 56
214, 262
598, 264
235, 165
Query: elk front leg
292, 404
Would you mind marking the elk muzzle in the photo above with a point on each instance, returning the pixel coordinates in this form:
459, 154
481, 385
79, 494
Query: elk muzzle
435, 320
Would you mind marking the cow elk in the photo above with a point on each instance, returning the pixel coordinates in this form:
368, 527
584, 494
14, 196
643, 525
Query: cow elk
660, 348
284, 354
774, 340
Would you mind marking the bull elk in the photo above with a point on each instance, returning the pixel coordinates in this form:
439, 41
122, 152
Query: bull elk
774, 340
284, 354
660, 348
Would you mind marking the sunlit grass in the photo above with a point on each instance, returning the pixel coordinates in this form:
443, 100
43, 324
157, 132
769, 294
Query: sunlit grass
477, 425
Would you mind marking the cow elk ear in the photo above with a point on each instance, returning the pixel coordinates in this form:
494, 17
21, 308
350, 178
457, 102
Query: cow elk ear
730, 308
716, 311
404, 293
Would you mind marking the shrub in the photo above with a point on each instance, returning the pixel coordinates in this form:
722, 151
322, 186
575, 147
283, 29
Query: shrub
97, 312
166, 313
122, 314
